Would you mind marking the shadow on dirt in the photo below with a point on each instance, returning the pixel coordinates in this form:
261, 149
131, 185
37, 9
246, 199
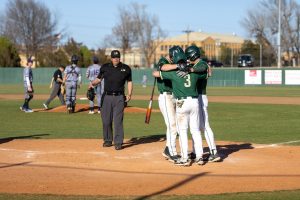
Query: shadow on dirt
9, 139
225, 150
144, 140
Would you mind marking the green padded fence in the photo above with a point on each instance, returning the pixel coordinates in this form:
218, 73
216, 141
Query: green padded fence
222, 77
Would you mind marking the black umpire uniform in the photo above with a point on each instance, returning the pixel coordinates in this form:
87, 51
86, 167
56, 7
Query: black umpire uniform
113, 99
56, 91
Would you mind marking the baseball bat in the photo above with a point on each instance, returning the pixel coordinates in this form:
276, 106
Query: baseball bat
149, 109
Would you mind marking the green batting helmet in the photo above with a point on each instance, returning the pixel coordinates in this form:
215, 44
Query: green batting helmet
192, 53
176, 54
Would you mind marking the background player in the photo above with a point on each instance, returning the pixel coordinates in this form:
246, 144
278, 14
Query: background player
72, 80
92, 73
193, 55
57, 81
28, 89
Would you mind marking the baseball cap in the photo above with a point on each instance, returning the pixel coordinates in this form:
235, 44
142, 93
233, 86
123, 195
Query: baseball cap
115, 54
29, 60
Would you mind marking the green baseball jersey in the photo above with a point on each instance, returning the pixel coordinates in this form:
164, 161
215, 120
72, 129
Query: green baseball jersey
201, 67
183, 87
163, 85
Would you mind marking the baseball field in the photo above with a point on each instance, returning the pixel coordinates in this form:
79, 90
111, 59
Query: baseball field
53, 155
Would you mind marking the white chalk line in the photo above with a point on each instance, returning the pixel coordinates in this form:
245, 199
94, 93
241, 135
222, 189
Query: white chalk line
53, 152
276, 144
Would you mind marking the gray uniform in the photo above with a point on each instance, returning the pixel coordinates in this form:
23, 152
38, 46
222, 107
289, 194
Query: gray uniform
92, 73
27, 78
73, 78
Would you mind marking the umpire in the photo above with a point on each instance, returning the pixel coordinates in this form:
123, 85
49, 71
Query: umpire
56, 87
116, 74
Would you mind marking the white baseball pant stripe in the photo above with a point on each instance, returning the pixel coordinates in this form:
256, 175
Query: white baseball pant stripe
204, 124
187, 115
167, 108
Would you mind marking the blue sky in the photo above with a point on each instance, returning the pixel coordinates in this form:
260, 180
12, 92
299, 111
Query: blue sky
89, 21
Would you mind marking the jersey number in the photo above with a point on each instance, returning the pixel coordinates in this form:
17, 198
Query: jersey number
187, 81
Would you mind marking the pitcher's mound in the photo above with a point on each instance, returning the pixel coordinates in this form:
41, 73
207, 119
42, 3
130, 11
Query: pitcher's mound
86, 108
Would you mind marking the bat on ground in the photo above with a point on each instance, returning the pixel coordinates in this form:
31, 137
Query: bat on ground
149, 109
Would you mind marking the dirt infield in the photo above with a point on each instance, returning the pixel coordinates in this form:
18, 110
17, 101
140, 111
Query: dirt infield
84, 167
221, 99
86, 108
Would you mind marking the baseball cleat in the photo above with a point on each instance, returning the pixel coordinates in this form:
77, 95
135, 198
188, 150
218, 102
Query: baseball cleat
199, 161
28, 110
69, 110
183, 162
166, 153
192, 156
45, 106
91, 112
214, 158
22, 108
174, 158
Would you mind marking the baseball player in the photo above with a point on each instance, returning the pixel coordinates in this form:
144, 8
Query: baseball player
167, 107
92, 73
28, 89
56, 87
193, 55
72, 80
187, 108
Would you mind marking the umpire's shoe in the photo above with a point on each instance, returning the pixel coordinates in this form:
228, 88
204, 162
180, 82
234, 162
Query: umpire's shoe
118, 146
107, 144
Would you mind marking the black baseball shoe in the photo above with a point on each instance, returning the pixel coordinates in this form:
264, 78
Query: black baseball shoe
214, 158
166, 153
107, 144
118, 146
192, 156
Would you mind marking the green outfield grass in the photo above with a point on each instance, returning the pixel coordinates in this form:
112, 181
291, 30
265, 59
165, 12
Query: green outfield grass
278, 195
278, 91
254, 123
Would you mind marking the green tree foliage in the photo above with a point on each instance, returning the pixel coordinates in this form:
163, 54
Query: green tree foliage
54, 59
9, 56
85, 56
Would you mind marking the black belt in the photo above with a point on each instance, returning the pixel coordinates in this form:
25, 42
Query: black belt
114, 93
165, 92
192, 97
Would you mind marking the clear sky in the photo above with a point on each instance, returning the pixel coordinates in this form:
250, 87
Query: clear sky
89, 21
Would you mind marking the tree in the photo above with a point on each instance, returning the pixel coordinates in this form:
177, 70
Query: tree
262, 23
136, 27
9, 56
149, 33
30, 25
123, 33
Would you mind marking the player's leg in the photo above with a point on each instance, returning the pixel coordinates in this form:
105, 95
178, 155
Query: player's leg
68, 96
182, 127
73, 98
167, 109
195, 131
208, 133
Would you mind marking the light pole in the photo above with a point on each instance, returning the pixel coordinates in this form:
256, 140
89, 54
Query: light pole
187, 31
279, 35
231, 56
260, 54
218, 44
